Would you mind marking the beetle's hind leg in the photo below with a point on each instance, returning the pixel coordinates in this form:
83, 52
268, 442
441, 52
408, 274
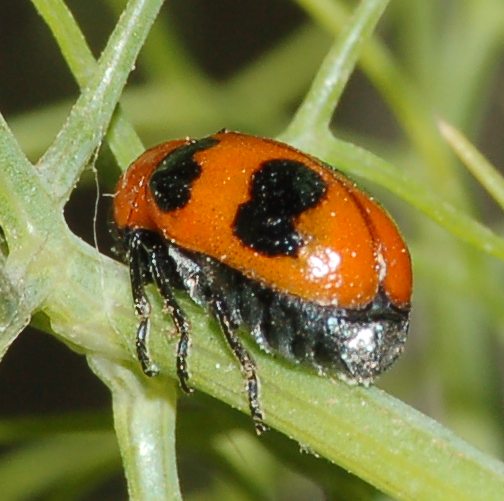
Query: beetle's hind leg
140, 276
220, 310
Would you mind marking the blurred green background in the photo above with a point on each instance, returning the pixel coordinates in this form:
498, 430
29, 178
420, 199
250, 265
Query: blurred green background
246, 66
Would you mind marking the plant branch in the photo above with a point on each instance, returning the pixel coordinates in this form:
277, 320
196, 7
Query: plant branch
409, 106
144, 420
319, 104
486, 174
123, 140
64, 161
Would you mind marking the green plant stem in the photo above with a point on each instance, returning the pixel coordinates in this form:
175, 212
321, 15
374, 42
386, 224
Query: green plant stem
93, 110
123, 140
487, 175
144, 419
318, 106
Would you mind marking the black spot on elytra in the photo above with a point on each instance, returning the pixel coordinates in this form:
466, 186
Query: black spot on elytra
171, 181
281, 190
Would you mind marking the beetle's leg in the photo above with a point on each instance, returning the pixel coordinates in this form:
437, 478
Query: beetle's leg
159, 272
140, 277
219, 308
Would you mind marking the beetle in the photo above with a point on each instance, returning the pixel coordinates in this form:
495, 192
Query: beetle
270, 238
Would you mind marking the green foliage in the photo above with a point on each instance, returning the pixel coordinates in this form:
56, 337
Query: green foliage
80, 296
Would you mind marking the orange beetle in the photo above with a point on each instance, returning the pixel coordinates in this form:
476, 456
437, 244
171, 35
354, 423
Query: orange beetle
268, 237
